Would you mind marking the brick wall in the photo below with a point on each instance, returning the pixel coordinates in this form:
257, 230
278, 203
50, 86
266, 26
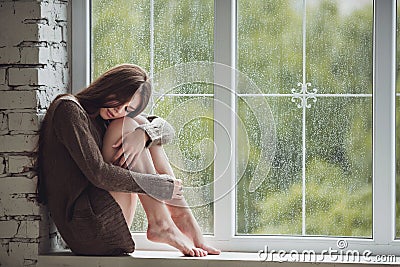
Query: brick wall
33, 70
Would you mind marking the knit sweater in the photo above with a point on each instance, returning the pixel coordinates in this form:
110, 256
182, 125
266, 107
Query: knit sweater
78, 180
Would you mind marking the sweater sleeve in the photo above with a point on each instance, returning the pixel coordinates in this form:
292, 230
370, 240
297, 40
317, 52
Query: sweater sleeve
71, 125
159, 131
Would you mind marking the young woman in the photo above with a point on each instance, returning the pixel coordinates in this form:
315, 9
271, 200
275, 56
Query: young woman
97, 155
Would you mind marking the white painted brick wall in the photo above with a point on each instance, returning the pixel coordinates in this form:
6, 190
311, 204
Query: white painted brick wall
48, 76
9, 55
34, 55
21, 254
16, 205
18, 99
16, 185
45, 97
2, 165
44, 54
18, 143
24, 76
2, 76
3, 123
50, 33
8, 228
28, 229
16, 196
33, 70
23, 122
14, 13
19, 164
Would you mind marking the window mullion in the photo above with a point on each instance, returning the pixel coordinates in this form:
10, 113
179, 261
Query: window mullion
384, 121
224, 123
151, 38
80, 47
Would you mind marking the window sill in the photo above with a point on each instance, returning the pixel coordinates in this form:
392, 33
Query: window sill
175, 259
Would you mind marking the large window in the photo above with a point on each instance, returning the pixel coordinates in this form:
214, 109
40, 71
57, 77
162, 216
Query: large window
321, 180
290, 103
158, 35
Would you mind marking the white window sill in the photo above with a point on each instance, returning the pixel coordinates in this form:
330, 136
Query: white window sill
175, 259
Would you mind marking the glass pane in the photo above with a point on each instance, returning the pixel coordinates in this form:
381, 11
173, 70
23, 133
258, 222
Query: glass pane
192, 152
337, 130
270, 43
339, 46
195, 76
183, 32
114, 42
339, 167
275, 207
120, 34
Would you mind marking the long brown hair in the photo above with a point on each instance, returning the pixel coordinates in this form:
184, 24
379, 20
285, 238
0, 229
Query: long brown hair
116, 87
112, 89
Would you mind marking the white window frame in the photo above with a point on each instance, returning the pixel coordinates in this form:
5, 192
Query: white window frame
383, 239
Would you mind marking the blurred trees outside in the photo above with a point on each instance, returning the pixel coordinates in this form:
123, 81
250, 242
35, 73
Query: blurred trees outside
338, 167
338, 126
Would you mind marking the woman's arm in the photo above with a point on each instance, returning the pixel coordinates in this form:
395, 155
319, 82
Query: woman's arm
152, 131
71, 125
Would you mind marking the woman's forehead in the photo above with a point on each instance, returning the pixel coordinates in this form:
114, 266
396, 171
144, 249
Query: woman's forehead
135, 101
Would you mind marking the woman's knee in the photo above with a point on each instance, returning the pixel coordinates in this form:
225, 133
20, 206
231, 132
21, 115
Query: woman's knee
122, 125
114, 132
126, 124
141, 119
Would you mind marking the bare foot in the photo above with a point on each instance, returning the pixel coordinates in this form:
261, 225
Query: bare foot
164, 232
189, 226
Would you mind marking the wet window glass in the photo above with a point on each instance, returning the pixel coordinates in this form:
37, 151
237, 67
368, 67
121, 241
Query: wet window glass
158, 36
313, 66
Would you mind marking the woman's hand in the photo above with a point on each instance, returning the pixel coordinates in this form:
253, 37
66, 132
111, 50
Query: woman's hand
178, 189
130, 146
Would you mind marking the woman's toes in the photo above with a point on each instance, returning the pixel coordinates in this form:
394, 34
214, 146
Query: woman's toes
211, 250
204, 253
198, 252
190, 253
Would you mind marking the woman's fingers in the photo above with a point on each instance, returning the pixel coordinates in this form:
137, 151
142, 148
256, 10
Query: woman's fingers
129, 147
131, 160
122, 161
178, 189
118, 155
118, 143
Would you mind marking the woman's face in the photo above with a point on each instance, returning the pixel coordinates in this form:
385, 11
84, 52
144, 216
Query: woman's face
121, 110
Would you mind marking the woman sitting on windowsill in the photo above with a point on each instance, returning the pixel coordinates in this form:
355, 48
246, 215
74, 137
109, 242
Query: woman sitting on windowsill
91, 180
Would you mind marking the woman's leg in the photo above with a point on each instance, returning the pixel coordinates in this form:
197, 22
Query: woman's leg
127, 201
180, 212
161, 228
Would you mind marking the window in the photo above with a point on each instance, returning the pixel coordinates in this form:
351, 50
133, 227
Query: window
314, 66
309, 151
157, 35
